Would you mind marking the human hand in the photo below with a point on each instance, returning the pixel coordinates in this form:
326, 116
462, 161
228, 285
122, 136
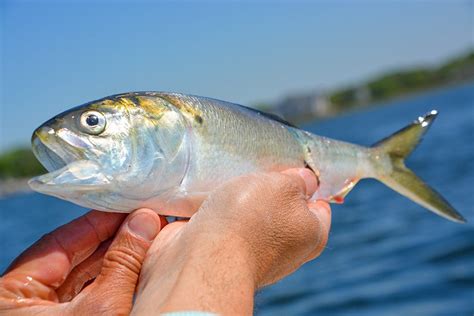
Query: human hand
49, 277
272, 214
252, 231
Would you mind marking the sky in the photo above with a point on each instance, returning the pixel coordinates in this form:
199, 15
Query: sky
58, 54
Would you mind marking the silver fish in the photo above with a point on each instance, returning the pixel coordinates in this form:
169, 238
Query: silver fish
168, 151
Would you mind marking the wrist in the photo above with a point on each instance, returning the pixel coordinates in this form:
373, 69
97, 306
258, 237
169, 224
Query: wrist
205, 271
217, 274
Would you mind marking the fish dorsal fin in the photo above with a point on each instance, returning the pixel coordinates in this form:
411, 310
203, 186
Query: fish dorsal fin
269, 116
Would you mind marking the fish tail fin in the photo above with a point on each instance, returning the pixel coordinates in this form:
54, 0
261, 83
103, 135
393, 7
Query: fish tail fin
393, 172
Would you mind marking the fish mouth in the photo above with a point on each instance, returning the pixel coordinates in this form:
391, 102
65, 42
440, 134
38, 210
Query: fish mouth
60, 152
46, 156
52, 154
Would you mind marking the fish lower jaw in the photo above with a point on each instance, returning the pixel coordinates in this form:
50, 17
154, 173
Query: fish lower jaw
78, 176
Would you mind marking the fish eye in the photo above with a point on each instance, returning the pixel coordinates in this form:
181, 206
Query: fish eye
93, 122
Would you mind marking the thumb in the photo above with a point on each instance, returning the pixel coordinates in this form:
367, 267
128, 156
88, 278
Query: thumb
113, 289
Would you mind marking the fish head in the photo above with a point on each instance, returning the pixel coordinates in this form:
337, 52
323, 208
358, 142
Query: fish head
114, 153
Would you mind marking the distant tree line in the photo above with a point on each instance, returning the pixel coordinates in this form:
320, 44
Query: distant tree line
19, 163
404, 82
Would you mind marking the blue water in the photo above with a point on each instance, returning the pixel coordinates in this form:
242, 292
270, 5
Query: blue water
386, 255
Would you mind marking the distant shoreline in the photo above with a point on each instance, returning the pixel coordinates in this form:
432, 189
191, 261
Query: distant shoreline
382, 89
393, 100
12, 186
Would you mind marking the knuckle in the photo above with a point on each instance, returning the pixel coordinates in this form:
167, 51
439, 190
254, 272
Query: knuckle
89, 219
123, 258
254, 189
286, 184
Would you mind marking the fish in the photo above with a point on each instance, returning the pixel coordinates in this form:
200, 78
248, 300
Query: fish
169, 151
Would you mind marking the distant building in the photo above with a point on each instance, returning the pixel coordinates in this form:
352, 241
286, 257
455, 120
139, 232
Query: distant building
362, 95
303, 107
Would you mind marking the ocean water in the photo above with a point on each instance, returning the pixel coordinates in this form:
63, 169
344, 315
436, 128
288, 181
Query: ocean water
386, 255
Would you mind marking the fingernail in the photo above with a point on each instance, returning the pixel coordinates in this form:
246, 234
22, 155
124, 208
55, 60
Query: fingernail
144, 225
310, 181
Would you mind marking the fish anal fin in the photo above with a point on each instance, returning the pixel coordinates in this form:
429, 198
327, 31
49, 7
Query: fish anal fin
335, 193
338, 198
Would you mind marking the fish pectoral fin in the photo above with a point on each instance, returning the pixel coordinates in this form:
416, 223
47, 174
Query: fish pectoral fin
79, 175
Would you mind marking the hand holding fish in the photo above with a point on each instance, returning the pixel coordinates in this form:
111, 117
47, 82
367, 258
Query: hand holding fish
49, 277
224, 258
265, 230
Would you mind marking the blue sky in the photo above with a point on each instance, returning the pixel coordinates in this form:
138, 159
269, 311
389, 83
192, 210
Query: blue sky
58, 54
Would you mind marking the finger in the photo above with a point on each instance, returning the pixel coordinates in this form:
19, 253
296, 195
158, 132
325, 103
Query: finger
85, 272
115, 285
50, 259
167, 233
305, 178
322, 210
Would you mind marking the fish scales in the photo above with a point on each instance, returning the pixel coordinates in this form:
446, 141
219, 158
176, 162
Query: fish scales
232, 141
